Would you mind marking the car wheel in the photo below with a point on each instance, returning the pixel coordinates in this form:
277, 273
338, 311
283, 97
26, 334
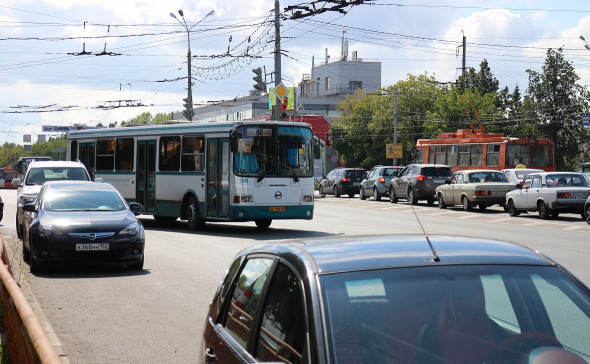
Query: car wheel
512, 211
392, 195
482, 206
263, 224
441, 202
19, 229
467, 205
588, 214
430, 201
543, 210
362, 194
351, 195
321, 191
376, 195
26, 253
336, 192
192, 215
136, 265
33, 264
553, 214
412, 197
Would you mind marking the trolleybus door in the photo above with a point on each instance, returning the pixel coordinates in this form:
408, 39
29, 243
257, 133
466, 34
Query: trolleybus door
145, 175
86, 156
218, 177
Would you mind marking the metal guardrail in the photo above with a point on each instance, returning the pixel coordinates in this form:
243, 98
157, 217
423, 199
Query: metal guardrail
27, 341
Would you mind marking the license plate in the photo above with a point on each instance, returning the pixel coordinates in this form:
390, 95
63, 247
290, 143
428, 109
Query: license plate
439, 181
498, 193
578, 195
92, 247
277, 209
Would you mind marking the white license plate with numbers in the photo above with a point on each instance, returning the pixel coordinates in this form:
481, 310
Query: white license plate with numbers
578, 195
92, 247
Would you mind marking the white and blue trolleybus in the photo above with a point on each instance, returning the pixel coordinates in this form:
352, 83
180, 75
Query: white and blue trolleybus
219, 171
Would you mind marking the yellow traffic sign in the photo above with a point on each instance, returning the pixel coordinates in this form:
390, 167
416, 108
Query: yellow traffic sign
393, 150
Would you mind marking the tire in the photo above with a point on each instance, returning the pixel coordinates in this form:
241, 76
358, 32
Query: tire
511, 209
482, 206
412, 197
136, 265
392, 195
263, 224
26, 253
33, 264
192, 215
467, 205
376, 195
441, 202
554, 214
336, 192
588, 214
321, 191
543, 210
430, 201
351, 195
19, 229
362, 194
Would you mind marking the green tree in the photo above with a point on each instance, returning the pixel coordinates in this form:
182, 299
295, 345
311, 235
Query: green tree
559, 102
482, 81
146, 118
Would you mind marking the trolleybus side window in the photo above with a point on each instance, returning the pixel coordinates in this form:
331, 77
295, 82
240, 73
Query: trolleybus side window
452, 154
170, 153
105, 155
464, 155
124, 154
193, 154
74, 150
517, 154
476, 152
493, 155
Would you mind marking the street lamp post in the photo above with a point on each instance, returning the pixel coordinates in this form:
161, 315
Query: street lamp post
189, 99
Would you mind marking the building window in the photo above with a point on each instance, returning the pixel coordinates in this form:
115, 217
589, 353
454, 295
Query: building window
327, 83
355, 85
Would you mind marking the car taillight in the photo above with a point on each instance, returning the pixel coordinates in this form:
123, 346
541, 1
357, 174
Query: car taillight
381, 180
422, 178
482, 193
563, 195
345, 179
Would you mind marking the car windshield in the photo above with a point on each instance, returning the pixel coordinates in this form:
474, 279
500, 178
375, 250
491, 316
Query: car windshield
466, 314
437, 171
487, 177
566, 180
38, 176
82, 200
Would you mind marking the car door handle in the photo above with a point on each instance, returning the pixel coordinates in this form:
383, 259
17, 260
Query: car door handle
210, 356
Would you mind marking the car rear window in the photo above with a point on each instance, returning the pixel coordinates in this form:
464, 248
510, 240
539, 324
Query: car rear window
437, 171
355, 174
391, 171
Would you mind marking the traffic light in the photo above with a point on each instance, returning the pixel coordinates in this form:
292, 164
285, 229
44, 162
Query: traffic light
188, 108
260, 85
284, 103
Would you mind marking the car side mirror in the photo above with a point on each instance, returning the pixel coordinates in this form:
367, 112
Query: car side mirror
30, 207
135, 207
16, 182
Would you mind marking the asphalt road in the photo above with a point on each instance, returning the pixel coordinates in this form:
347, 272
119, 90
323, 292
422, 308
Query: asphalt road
109, 314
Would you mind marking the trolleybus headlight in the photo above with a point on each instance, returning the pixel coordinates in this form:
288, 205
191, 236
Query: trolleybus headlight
309, 213
307, 198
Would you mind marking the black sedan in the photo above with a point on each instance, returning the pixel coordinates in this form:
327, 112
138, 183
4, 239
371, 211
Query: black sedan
397, 299
82, 222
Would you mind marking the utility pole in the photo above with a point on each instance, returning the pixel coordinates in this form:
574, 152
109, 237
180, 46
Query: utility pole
464, 50
395, 122
276, 107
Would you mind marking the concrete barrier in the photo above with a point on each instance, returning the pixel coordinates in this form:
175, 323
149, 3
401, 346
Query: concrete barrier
27, 341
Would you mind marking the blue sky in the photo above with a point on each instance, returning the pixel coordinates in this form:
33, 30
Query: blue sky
136, 51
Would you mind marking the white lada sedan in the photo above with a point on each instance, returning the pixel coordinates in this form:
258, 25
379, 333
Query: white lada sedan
549, 193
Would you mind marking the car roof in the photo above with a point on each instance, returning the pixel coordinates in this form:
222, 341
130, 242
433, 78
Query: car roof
553, 173
478, 170
50, 164
429, 165
330, 255
65, 184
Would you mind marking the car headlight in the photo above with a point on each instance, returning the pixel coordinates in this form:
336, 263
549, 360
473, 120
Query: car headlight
49, 231
131, 229
23, 199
